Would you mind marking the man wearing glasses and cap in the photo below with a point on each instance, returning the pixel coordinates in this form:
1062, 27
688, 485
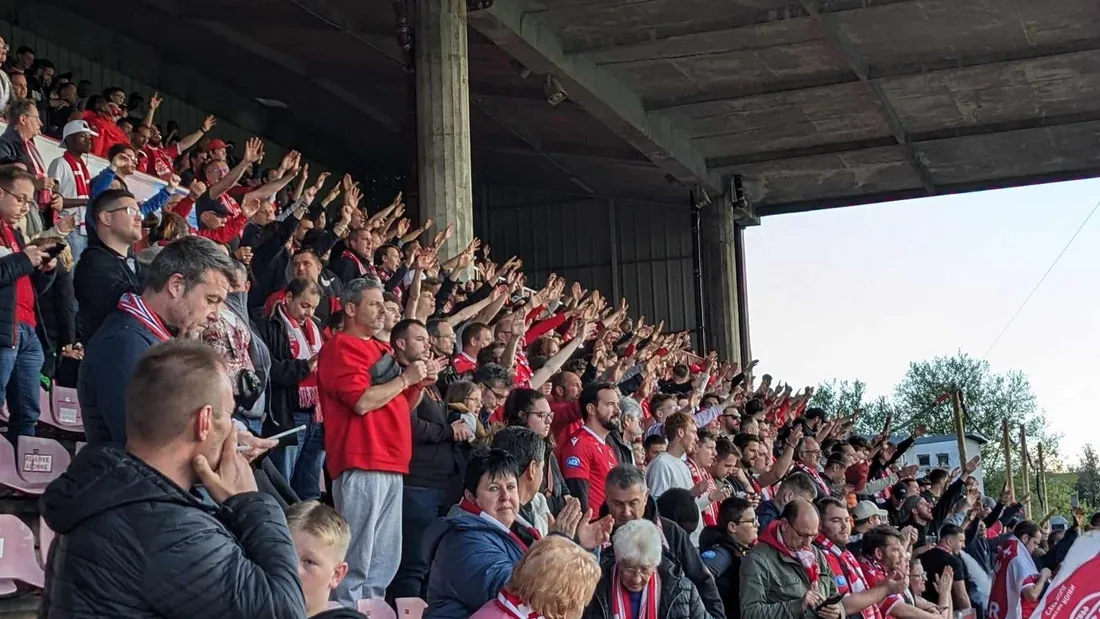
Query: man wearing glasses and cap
74, 181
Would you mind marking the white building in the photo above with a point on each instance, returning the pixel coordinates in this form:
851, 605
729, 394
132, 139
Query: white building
942, 452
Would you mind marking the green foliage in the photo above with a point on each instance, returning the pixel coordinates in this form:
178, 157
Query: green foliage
1087, 485
989, 398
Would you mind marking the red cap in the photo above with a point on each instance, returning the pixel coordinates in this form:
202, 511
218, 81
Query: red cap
214, 144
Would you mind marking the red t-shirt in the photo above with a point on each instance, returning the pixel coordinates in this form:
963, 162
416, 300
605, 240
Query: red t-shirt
523, 371
585, 456
24, 289
875, 575
380, 440
1028, 606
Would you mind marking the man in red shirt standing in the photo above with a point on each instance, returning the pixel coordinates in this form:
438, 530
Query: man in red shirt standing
366, 400
24, 271
587, 457
475, 336
153, 157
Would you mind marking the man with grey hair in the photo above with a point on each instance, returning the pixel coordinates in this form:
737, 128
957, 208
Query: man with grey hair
185, 288
367, 398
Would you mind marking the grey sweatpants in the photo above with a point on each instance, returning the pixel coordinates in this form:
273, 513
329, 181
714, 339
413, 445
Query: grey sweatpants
371, 503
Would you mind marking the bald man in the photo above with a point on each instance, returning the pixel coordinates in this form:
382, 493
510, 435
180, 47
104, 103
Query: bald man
784, 575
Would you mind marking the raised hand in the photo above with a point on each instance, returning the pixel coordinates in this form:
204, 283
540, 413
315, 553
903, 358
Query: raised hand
155, 101
208, 123
253, 150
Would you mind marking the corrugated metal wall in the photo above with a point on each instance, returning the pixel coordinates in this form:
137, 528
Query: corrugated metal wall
633, 249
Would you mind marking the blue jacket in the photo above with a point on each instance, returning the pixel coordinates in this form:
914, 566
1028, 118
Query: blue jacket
102, 182
471, 560
109, 360
767, 512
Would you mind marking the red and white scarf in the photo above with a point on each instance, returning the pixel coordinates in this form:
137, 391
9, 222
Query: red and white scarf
358, 263
803, 556
512, 606
523, 370
470, 507
305, 343
133, 305
698, 474
83, 181
620, 597
854, 582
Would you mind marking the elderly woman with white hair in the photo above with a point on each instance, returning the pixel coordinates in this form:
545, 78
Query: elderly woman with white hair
641, 583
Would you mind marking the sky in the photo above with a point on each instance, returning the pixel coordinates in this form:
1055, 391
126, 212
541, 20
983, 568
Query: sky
859, 292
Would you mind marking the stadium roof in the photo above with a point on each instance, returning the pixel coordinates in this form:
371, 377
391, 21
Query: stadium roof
815, 103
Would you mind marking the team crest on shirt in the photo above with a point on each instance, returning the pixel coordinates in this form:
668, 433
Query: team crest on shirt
709, 554
573, 441
841, 582
573, 462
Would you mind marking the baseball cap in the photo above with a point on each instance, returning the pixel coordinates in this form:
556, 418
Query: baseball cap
206, 204
1059, 523
865, 509
214, 144
74, 127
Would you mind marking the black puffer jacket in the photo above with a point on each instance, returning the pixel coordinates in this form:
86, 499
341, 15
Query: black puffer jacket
678, 599
722, 555
133, 544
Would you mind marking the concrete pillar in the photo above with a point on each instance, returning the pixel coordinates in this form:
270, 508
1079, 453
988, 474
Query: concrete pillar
443, 119
724, 287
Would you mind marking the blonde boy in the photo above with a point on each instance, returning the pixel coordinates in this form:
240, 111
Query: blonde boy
321, 538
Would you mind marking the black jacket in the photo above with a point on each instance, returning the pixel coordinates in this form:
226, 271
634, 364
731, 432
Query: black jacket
722, 555
99, 281
678, 599
286, 373
682, 554
433, 462
11, 148
133, 544
12, 267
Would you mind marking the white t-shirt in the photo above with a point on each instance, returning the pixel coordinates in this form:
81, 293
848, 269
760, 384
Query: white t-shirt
60, 171
667, 472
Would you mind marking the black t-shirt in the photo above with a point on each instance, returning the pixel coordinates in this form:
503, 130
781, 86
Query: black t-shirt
934, 561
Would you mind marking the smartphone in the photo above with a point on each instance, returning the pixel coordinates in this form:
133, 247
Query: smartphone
53, 250
276, 436
1074, 502
829, 602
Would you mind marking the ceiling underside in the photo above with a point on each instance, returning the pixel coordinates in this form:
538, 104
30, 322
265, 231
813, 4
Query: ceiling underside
815, 103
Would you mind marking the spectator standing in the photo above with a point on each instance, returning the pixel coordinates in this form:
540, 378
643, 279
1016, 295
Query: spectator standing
807, 460
134, 542
367, 399
108, 268
5, 81
627, 500
882, 560
797, 486
530, 409
724, 547
25, 272
554, 580
946, 554
295, 340
642, 577
784, 575
74, 181
475, 337
185, 288
1017, 582
587, 457
433, 468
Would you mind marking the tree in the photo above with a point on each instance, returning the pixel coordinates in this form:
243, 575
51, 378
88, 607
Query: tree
989, 398
1087, 486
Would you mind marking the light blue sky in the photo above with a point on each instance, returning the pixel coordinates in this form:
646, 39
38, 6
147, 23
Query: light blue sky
860, 292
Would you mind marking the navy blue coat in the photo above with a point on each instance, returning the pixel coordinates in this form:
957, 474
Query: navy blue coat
109, 361
471, 560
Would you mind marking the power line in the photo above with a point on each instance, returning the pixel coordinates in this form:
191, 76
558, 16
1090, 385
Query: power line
1042, 279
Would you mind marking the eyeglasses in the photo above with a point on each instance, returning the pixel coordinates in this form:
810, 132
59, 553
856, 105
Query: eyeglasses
637, 571
20, 200
131, 211
754, 522
547, 416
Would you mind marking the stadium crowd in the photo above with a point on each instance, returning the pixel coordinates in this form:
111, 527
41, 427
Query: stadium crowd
450, 431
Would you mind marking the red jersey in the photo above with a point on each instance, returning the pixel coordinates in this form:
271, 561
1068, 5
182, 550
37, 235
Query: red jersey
465, 364
875, 575
588, 457
566, 422
380, 440
158, 161
847, 573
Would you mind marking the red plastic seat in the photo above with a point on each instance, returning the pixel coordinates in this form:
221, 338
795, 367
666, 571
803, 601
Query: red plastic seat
9, 471
376, 609
18, 561
40, 460
64, 410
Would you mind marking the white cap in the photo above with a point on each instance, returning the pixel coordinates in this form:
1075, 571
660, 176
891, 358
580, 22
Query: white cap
74, 127
865, 509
